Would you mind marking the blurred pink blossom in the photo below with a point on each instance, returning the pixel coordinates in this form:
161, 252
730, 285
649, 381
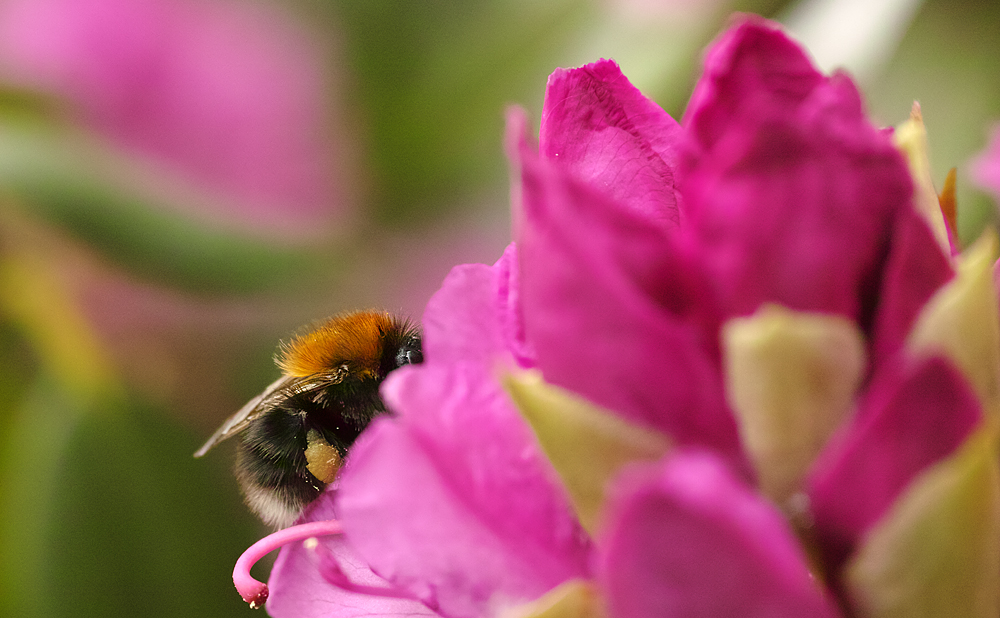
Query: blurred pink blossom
985, 168
233, 95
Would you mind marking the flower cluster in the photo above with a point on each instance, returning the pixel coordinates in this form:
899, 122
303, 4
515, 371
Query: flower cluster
730, 366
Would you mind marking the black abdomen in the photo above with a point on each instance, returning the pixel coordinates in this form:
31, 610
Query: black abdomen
271, 464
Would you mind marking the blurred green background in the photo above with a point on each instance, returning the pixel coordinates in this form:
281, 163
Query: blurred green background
185, 182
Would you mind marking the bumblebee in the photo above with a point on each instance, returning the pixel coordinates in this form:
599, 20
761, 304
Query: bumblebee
295, 435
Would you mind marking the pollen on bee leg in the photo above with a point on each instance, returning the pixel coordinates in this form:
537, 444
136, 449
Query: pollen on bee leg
322, 459
255, 592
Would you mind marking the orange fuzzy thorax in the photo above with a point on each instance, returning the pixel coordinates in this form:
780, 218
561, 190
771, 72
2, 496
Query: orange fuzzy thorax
355, 339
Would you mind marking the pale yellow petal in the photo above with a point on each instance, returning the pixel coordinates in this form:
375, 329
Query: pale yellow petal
586, 444
573, 599
791, 379
962, 322
910, 138
936, 554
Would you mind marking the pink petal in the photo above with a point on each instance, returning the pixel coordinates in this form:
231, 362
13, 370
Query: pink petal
912, 418
685, 539
508, 308
615, 312
453, 500
459, 322
750, 69
789, 192
915, 269
985, 168
601, 129
476, 316
299, 590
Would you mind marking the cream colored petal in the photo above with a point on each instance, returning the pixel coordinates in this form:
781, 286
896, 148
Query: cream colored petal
910, 138
586, 444
573, 599
791, 378
937, 551
962, 322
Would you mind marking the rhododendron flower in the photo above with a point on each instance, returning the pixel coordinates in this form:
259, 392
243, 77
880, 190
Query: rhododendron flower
757, 382
229, 95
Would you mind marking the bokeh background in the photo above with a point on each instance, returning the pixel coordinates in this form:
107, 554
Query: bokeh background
185, 182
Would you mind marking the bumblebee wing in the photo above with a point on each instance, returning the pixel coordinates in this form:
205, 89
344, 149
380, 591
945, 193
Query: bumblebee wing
235, 423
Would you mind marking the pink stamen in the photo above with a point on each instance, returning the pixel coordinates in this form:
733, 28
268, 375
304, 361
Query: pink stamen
255, 592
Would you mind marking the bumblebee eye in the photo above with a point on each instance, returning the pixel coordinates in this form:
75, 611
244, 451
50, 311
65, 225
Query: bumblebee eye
414, 357
410, 353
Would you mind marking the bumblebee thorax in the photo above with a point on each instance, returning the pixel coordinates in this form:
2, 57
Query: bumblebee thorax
353, 342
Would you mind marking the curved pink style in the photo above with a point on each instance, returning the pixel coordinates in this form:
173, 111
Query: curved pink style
255, 592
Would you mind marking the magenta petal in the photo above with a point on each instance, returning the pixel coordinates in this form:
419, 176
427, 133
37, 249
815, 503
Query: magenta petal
453, 500
615, 312
507, 278
299, 590
751, 67
459, 322
797, 211
916, 268
685, 539
790, 193
600, 128
910, 420
476, 315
